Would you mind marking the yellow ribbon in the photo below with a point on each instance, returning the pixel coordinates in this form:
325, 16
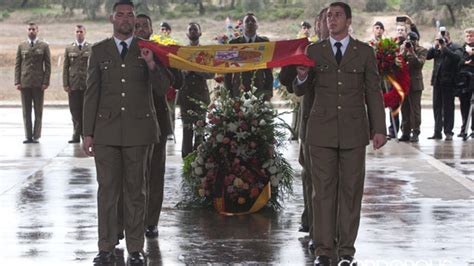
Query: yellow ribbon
261, 201
400, 92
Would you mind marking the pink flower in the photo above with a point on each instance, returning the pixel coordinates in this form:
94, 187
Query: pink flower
226, 140
244, 126
241, 114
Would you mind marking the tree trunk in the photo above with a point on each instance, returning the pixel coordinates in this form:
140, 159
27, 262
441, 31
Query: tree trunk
451, 13
202, 10
24, 3
232, 4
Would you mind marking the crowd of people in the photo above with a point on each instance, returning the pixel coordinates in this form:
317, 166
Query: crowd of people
117, 99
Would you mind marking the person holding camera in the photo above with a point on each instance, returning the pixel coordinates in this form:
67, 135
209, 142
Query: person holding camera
446, 57
467, 87
411, 107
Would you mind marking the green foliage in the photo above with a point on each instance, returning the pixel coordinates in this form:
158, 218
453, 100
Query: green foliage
411, 6
251, 5
375, 5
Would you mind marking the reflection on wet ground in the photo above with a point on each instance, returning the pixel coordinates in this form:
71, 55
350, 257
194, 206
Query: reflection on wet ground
417, 209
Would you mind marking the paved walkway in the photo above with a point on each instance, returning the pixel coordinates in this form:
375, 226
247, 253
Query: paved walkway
417, 210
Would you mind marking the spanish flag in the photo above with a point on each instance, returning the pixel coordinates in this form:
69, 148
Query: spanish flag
230, 58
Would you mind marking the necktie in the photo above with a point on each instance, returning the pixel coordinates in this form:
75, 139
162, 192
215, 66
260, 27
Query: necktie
339, 52
80, 47
124, 50
32, 43
250, 40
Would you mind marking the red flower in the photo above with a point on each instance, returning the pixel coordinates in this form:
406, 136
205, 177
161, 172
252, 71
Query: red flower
219, 79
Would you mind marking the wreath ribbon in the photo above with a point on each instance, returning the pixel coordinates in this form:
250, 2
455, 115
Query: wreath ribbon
399, 90
263, 198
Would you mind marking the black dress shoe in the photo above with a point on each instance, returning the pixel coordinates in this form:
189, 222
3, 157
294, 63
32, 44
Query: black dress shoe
104, 258
151, 231
322, 261
448, 137
436, 136
404, 138
303, 228
347, 260
27, 141
414, 138
74, 141
136, 258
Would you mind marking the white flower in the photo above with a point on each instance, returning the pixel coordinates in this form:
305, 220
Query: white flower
232, 127
200, 160
262, 122
198, 171
274, 180
272, 169
248, 103
194, 164
219, 137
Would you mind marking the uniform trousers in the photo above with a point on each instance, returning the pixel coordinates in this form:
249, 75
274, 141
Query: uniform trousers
191, 140
32, 98
121, 170
411, 113
76, 102
155, 180
338, 185
307, 216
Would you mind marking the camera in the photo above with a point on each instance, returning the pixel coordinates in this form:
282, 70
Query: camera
408, 45
441, 41
401, 19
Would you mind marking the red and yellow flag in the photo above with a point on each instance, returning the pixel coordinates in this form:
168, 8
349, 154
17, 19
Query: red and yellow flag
230, 58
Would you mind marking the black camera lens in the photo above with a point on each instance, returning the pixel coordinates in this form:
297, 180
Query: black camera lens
441, 41
408, 45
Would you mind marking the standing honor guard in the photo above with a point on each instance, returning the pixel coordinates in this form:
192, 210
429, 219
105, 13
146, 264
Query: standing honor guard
261, 79
194, 88
120, 124
347, 110
74, 78
32, 74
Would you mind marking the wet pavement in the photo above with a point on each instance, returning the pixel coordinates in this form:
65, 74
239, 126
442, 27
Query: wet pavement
418, 207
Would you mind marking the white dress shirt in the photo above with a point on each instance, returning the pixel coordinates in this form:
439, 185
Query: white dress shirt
344, 42
119, 46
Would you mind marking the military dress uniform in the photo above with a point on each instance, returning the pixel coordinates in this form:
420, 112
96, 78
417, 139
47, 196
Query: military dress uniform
120, 116
157, 161
194, 87
32, 71
411, 107
74, 76
261, 79
347, 109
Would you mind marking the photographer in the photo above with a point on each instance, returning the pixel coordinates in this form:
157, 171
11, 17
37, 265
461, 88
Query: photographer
402, 28
411, 107
467, 72
446, 57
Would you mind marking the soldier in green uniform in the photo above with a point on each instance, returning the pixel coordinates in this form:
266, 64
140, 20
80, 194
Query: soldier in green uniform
74, 78
119, 126
32, 74
194, 87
